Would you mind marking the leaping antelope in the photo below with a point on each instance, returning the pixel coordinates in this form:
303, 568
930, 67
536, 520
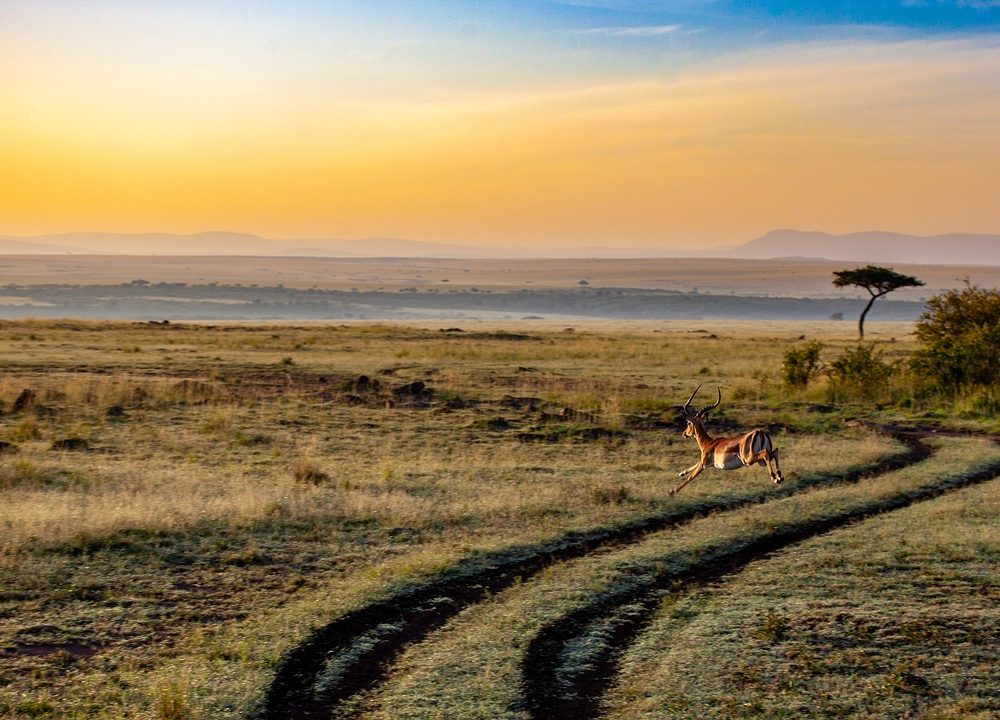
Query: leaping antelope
726, 453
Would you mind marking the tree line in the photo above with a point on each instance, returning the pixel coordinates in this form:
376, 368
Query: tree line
958, 357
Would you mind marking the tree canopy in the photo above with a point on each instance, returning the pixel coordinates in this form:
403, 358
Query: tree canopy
877, 280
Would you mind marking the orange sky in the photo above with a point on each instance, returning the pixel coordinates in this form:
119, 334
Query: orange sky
846, 135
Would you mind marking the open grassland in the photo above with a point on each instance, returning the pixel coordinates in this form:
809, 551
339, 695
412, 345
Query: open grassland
792, 277
536, 650
399, 289
897, 617
184, 506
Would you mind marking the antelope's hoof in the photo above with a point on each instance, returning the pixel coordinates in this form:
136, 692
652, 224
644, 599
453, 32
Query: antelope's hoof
778, 480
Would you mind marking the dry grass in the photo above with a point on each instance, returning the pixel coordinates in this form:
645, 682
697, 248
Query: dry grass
232, 500
472, 668
894, 618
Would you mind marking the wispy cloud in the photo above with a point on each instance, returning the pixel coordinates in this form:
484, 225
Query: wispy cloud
639, 31
637, 5
975, 4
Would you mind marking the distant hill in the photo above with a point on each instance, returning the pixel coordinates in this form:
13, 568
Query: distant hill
205, 243
385, 247
229, 243
880, 247
17, 246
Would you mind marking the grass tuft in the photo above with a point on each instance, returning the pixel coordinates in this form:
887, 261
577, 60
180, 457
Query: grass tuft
774, 628
171, 702
306, 471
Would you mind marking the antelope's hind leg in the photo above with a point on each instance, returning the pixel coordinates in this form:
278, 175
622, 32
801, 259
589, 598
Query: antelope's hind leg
776, 476
764, 458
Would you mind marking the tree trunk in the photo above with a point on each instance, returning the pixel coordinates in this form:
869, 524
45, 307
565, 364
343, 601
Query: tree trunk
861, 320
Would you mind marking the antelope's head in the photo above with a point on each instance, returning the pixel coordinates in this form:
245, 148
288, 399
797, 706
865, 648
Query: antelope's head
696, 418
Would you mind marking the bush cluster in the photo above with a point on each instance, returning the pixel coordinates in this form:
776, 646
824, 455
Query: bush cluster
859, 372
960, 333
958, 361
801, 364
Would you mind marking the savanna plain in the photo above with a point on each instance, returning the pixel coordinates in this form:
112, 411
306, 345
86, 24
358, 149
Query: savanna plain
475, 521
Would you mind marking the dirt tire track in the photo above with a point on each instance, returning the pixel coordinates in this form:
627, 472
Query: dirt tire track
412, 614
546, 698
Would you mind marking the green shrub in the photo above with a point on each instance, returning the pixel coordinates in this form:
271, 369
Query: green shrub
859, 372
960, 333
801, 364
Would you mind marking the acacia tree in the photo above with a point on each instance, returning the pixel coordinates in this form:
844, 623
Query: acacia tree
878, 281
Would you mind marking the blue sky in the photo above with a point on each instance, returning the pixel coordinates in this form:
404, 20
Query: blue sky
920, 15
605, 38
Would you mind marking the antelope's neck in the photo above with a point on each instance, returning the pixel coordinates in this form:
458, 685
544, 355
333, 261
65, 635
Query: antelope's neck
701, 434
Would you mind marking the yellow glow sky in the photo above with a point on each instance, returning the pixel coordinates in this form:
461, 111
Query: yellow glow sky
173, 118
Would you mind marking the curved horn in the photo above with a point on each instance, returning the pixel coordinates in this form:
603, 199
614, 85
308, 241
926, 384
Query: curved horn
709, 409
687, 406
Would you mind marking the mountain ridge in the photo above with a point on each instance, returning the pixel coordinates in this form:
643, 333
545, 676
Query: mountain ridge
875, 246
785, 244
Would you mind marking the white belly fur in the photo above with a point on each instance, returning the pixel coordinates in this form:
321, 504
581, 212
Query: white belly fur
727, 462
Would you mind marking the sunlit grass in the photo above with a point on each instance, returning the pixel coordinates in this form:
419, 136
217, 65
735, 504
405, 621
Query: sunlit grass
896, 617
227, 500
472, 668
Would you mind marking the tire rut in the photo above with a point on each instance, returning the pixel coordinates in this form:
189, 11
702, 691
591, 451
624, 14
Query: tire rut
389, 627
547, 698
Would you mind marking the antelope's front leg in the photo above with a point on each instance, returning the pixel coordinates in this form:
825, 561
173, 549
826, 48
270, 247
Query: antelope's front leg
691, 469
695, 472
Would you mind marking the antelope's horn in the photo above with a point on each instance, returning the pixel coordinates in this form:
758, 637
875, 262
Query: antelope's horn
707, 410
687, 406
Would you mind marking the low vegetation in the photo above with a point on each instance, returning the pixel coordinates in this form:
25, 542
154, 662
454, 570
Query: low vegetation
953, 368
184, 504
